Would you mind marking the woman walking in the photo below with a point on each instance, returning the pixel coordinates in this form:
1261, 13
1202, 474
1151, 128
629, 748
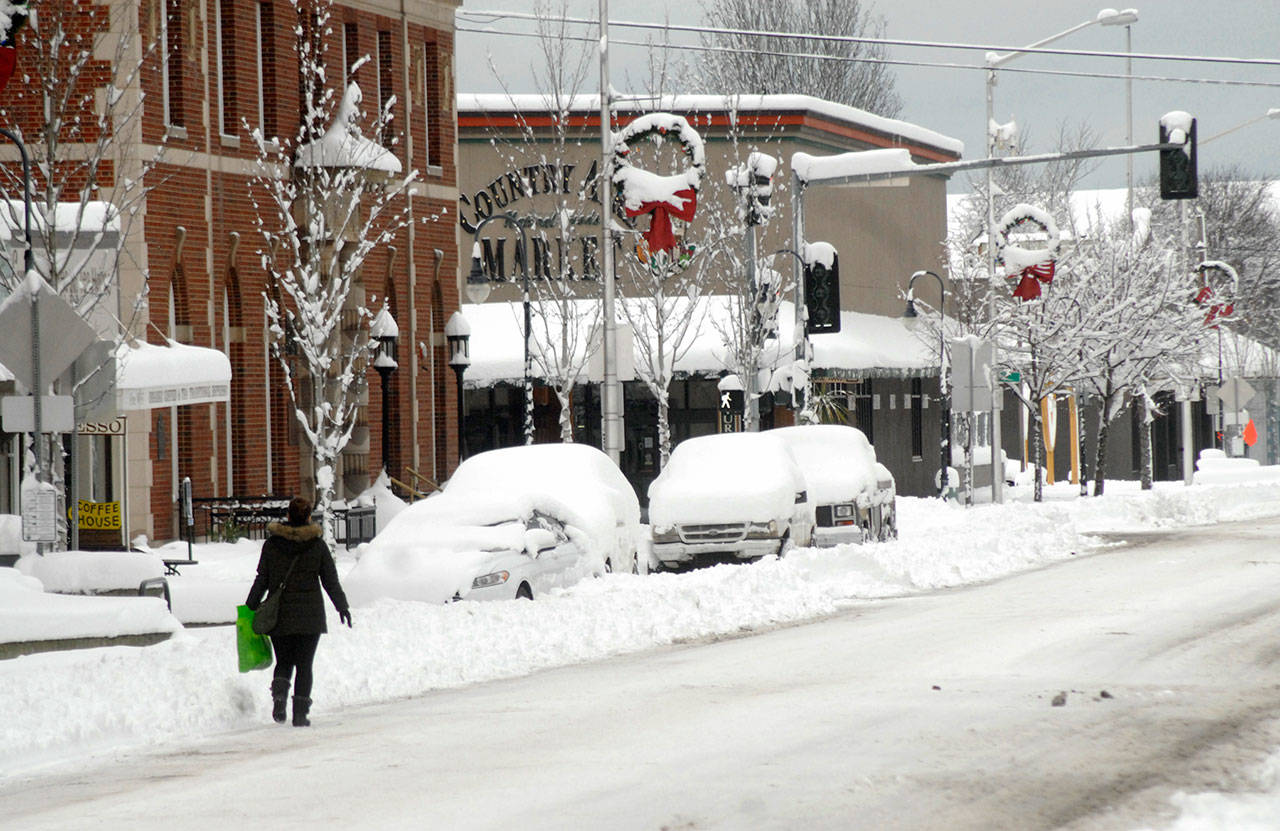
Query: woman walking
295, 554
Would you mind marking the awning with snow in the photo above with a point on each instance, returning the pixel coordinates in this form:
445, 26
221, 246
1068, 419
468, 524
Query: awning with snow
867, 346
150, 376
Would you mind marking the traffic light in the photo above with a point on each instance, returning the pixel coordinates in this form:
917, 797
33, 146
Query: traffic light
1178, 178
10, 25
822, 289
755, 181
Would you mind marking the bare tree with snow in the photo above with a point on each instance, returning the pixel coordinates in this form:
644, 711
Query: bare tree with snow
847, 72
323, 199
564, 223
1144, 331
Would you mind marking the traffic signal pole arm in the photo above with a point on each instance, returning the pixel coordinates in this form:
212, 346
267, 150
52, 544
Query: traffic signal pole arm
948, 168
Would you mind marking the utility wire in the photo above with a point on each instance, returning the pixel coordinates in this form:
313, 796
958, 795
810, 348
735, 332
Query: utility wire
481, 16
892, 61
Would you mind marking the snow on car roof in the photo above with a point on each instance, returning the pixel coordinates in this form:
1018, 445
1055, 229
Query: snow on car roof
838, 462
728, 477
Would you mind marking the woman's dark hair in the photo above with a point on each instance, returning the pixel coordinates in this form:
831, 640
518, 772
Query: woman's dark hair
299, 511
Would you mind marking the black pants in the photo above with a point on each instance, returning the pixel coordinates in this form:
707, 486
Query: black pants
296, 651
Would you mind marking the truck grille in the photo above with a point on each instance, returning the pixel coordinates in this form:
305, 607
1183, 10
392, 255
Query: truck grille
732, 532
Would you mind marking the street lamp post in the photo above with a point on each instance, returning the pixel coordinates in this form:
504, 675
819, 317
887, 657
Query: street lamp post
384, 330
478, 287
945, 443
1106, 17
457, 333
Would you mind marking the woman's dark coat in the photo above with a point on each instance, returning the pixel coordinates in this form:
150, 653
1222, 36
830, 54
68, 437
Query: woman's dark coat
302, 606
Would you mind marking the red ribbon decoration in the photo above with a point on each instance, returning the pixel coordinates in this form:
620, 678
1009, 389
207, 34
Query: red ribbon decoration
1032, 276
1217, 310
660, 236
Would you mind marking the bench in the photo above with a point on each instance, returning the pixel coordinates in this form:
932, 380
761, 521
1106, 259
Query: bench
171, 566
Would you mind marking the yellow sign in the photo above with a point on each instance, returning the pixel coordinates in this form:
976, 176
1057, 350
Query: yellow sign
98, 516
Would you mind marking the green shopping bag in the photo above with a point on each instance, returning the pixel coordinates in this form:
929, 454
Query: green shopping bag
254, 649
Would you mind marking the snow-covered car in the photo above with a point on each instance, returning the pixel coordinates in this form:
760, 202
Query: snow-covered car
853, 495
510, 523
731, 495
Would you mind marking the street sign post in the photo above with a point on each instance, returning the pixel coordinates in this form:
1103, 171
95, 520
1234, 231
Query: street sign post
971, 362
39, 515
64, 335
1236, 394
18, 413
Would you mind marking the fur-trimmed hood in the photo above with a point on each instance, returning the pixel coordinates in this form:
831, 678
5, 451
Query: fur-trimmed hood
294, 533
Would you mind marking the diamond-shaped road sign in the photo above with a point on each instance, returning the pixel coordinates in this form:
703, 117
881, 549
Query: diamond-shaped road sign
63, 334
1235, 394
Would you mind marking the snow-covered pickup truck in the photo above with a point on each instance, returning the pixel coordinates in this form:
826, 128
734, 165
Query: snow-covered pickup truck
728, 496
853, 495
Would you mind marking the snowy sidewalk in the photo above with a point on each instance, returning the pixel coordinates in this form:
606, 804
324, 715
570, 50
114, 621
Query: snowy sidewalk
65, 706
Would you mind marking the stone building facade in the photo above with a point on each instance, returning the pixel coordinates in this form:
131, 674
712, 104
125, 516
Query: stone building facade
882, 235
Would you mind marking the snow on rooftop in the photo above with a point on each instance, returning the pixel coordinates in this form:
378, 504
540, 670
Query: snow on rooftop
706, 104
867, 343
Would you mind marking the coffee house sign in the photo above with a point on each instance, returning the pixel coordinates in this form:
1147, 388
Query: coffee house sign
528, 184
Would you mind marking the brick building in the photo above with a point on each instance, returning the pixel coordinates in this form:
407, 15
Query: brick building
216, 70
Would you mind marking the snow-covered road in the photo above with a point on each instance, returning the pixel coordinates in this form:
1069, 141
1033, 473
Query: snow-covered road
934, 711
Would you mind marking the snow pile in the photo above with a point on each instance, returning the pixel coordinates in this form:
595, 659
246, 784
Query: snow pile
11, 541
86, 572
1249, 811
1214, 468
381, 498
31, 614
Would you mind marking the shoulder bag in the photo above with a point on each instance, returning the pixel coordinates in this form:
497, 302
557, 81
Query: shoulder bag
264, 620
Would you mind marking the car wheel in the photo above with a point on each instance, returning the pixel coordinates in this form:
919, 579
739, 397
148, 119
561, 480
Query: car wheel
524, 592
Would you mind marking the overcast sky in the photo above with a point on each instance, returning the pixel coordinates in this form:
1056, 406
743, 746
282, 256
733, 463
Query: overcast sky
952, 101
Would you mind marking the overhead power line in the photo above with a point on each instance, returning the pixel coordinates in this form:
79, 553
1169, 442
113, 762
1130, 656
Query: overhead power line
892, 61
481, 16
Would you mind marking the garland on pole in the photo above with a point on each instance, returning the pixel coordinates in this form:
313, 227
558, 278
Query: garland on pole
664, 198
1032, 266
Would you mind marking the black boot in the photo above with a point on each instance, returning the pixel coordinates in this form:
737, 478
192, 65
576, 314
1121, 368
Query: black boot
300, 707
279, 699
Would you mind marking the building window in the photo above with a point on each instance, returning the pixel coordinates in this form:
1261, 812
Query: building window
430, 103
171, 55
228, 114
350, 49
386, 85
917, 418
267, 113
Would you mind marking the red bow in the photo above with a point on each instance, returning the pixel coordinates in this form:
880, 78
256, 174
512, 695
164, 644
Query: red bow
1029, 286
1217, 310
660, 236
